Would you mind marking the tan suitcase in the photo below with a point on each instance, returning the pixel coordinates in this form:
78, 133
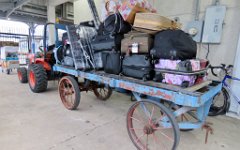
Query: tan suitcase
154, 22
142, 42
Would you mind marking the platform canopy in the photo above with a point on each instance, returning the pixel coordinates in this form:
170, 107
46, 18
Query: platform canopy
27, 10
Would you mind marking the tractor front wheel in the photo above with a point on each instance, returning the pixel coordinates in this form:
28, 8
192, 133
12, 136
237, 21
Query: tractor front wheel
37, 77
22, 75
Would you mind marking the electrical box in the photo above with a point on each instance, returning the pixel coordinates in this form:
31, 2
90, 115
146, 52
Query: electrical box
195, 29
213, 26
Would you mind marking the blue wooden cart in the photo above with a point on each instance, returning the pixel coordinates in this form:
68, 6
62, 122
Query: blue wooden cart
161, 111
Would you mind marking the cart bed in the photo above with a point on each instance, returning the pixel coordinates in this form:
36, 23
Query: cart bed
193, 97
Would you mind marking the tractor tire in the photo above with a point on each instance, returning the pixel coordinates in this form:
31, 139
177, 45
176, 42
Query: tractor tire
37, 77
22, 75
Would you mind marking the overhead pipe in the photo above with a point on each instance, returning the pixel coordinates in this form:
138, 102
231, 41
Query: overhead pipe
197, 10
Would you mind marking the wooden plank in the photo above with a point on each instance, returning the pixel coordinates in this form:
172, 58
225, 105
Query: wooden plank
198, 86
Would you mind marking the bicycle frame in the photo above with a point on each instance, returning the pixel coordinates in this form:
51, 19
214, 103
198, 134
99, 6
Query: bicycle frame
227, 86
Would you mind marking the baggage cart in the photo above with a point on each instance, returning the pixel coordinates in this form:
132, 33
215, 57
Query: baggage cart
154, 121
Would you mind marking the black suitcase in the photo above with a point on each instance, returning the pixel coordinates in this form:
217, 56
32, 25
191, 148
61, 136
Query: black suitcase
98, 62
112, 62
175, 45
138, 66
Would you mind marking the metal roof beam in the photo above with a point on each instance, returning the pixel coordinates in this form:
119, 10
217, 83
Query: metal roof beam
4, 6
25, 18
16, 6
57, 2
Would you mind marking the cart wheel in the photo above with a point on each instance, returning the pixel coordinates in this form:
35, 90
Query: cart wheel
22, 75
69, 92
151, 125
103, 93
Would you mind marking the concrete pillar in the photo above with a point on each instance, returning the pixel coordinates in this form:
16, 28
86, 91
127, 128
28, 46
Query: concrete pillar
51, 13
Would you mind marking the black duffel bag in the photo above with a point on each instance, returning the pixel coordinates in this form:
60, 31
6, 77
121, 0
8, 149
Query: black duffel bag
115, 24
175, 45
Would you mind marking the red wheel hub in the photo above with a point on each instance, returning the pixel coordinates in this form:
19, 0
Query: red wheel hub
32, 79
148, 129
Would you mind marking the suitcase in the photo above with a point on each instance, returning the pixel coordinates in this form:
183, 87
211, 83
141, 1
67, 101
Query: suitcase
175, 45
175, 79
154, 22
183, 66
103, 43
180, 80
107, 43
98, 62
138, 66
187, 66
136, 42
112, 62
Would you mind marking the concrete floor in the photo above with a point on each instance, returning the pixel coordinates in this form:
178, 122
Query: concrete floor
31, 121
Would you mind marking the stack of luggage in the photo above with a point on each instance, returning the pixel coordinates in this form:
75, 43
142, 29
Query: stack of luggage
145, 46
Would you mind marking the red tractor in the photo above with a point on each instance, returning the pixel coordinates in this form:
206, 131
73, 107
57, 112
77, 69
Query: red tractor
40, 65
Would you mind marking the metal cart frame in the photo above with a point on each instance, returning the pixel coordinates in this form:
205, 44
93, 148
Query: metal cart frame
184, 101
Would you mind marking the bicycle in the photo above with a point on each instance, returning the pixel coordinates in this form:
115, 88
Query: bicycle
221, 106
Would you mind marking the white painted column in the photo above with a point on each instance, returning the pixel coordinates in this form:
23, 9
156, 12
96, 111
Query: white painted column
235, 86
51, 13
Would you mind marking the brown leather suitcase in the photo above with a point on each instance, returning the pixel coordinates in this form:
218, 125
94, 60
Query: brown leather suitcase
136, 42
154, 22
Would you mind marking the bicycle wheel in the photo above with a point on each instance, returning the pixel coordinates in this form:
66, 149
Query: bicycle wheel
152, 126
220, 103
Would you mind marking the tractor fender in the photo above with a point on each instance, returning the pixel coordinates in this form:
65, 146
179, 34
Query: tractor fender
45, 64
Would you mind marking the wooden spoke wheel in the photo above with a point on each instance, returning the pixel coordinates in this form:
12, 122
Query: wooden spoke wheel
69, 92
152, 126
103, 92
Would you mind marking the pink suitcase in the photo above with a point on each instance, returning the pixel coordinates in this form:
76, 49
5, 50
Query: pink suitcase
180, 80
176, 79
173, 64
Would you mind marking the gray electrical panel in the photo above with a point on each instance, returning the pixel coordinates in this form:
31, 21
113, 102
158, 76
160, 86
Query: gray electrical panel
213, 26
197, 28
